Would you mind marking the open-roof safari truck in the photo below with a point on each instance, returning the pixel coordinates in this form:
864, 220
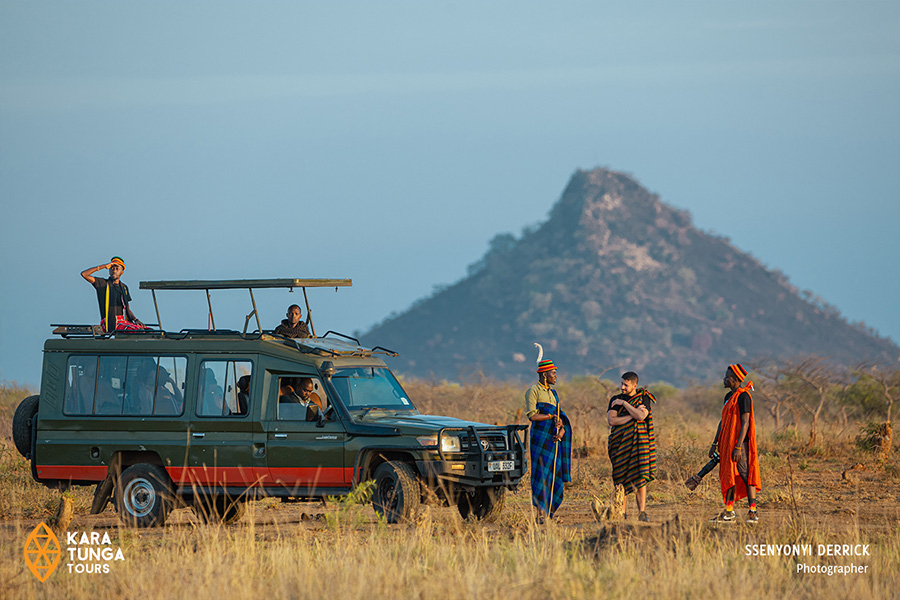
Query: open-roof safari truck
205, 418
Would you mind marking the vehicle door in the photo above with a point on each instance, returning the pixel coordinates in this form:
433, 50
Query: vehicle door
306, 454
226, 444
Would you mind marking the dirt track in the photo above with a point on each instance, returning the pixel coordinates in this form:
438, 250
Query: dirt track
825, 501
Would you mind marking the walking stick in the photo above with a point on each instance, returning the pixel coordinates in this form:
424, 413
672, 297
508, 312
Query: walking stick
555, 452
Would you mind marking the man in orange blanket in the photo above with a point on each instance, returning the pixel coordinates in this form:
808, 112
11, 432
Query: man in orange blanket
736, 443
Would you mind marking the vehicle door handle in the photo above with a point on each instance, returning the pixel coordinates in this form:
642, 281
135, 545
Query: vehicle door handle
279, 436
199, 435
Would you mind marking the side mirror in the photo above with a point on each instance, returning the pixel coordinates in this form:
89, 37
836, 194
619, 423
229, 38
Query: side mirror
327, 369
324, 416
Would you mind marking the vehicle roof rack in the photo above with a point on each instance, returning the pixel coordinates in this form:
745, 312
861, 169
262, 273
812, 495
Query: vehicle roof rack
68, 330
243, 284
330, 345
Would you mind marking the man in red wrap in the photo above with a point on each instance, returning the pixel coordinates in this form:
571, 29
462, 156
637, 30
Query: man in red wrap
736, 443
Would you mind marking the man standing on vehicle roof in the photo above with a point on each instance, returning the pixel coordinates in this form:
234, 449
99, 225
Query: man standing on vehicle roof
550, 440
293, 327
632, 441
113, 296
736, 444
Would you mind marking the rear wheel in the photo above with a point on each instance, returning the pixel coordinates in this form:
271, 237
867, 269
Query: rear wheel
143, 496
23, 424
396, 496
485, 504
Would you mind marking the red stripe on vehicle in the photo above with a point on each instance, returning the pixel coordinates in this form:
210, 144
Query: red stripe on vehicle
225, 476
221, 476
315, 476
73, 472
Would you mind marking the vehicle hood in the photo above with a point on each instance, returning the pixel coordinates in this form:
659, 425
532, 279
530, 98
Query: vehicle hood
424, 422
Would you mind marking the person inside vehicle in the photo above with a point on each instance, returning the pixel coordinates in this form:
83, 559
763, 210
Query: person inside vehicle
293, 327
304, 395
286, 394
212, 404
139, 395
169, 400
243, 397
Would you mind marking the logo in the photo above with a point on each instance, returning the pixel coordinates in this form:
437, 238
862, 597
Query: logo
42, 552
485, 444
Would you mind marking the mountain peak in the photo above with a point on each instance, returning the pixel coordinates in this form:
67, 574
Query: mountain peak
617, 278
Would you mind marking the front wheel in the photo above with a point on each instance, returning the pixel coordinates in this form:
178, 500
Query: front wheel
485, 504
396, 496
143, 496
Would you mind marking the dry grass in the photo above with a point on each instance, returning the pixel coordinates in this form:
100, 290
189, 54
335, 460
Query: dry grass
347, 553
435, 557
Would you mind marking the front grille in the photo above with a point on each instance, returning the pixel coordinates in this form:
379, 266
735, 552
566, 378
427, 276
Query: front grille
494, 440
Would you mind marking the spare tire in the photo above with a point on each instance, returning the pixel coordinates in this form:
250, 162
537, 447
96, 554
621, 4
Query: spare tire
22, 425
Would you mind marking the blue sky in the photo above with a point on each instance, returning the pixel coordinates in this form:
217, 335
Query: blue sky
388, 142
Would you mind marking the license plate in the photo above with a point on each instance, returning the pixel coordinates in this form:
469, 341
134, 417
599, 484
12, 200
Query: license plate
501, 465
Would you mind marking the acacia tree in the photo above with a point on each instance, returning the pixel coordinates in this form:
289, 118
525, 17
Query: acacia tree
808, 382
889, 384
767, 391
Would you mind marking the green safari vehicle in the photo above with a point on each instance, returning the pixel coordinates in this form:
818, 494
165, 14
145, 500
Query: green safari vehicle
213, 418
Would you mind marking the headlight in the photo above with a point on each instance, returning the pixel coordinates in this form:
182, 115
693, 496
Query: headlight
450, 443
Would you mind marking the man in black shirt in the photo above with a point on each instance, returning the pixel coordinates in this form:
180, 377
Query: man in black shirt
293, 327
113, 297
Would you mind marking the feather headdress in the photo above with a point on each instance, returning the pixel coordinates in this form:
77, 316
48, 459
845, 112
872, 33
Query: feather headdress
543, 365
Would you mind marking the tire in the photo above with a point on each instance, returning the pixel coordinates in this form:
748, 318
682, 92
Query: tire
486, 505
396, 496
220, 508
102, 493
22, 424
144, 496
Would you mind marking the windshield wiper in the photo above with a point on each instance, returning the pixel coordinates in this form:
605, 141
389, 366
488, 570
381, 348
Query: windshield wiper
366, 411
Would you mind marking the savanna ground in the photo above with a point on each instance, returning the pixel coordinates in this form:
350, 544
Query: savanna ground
811, 495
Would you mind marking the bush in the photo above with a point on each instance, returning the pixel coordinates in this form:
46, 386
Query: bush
876, 437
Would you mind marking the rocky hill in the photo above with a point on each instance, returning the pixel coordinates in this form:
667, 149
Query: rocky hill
616, 278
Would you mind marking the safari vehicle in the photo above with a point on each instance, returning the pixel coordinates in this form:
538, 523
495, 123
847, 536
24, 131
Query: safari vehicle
209, 419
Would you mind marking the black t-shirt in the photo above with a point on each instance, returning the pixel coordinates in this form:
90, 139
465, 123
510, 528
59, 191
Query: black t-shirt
118, 297
744, 402
621, 410
289, 331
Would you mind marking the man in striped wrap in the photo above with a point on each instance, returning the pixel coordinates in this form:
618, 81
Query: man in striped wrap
550, 442
632, 441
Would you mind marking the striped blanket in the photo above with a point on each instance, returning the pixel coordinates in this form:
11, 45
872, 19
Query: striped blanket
551, 462
632, 449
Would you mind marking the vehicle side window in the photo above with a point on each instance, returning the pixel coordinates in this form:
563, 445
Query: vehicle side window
111, 385
170, 376
300, 398
125, 385
81, 381
224, 388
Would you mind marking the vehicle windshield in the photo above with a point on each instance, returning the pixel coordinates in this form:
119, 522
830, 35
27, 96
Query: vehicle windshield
371, 389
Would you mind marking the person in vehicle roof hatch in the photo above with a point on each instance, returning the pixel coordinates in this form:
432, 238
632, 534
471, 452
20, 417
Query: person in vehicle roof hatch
293, 327
113, 297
